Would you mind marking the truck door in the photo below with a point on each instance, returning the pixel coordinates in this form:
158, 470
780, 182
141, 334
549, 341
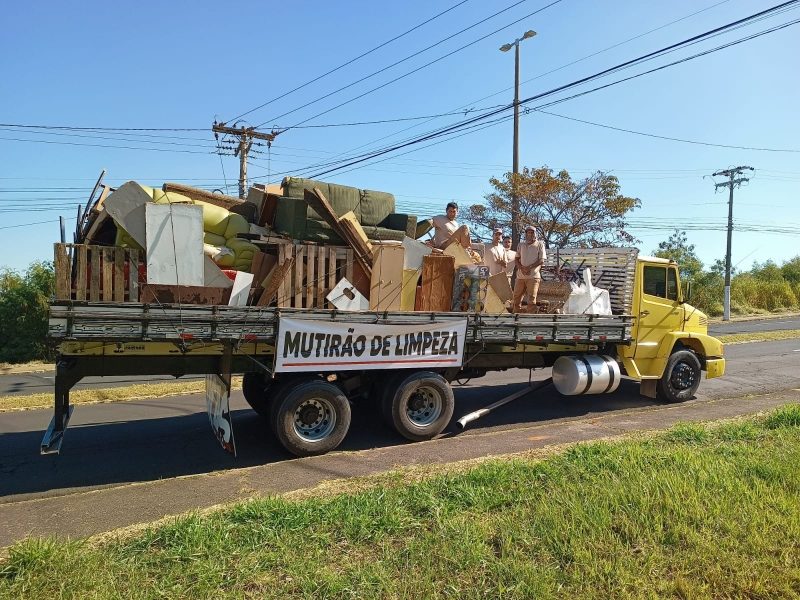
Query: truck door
659, 308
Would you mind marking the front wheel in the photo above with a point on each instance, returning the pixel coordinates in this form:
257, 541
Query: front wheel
681, 377
421, 406
311, 417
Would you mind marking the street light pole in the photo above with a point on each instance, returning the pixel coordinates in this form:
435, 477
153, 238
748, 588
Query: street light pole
515, 224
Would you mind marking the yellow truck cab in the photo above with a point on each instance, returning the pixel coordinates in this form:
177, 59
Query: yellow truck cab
670, 344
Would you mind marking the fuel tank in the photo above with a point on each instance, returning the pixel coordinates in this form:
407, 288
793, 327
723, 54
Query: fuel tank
585, 374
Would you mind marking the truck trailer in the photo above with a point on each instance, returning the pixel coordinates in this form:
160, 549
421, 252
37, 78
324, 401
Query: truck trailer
305, 370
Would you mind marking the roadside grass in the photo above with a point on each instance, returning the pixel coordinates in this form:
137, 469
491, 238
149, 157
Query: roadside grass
698, 511
759, 336
139, 391
35, 366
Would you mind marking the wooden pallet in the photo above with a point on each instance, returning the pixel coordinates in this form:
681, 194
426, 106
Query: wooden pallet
97, 273
315, 272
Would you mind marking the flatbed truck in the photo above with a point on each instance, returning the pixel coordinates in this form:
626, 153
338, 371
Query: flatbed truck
304, 368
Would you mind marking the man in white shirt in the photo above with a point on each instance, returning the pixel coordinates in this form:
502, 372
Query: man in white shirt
509, 256
530, 258
495, 257
446, 228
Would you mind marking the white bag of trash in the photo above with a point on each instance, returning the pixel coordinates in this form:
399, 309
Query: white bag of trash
586, 299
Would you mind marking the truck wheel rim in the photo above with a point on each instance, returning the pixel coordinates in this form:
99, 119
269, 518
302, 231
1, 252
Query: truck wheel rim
424, 406
682, 377
314, 419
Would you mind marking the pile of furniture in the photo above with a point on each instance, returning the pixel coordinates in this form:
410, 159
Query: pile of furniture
303, 244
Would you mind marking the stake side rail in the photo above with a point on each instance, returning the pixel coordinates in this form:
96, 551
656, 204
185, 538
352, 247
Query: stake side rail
108, 322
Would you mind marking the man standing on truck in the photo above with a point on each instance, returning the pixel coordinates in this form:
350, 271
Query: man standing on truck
509, 256
447, 228
530, 257
496, 258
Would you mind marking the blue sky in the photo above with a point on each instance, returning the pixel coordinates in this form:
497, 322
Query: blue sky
183, 64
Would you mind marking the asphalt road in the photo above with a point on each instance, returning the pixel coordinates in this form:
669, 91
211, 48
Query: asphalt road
139, 461
34, 383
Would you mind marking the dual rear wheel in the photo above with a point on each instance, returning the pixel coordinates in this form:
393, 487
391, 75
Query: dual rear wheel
311, 416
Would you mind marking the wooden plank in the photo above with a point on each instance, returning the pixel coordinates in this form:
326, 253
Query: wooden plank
438, 274
321, 276
333, 276
387, 278
63, 271
284, 254
297, 291
119, 275
317, 201
275, 281
183, 294
502, 288
409, 293
80, 277
108, 274
205, 196
94, 261
348, 271
133, 274
311, 282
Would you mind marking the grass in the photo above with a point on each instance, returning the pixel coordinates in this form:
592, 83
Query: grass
139, 391
699, 511
36, 366
759, 336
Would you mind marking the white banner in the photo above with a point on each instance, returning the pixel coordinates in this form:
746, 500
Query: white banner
306, 345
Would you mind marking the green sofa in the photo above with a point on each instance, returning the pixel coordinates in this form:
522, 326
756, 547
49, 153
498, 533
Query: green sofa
374, 210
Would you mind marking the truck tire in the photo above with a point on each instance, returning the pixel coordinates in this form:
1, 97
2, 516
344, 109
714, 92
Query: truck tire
681, 377
310, 417
421, 406
256, 391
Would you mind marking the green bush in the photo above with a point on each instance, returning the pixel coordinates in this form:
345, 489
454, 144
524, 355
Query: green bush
24, 312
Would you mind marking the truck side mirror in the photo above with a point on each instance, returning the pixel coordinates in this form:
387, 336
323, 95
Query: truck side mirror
687, 294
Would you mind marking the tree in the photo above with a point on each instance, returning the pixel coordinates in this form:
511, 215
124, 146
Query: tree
678, 248
24, 312
586, 213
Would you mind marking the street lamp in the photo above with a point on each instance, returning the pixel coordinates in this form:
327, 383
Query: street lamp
514, 200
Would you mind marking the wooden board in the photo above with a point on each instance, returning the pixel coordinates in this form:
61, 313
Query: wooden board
387, 278
182, 294
409, 293
460, 255
438, 273
316, 271
63, 272
95, 273
494, 305
319, 203
194, 193
275, 282
350, 222
502, 288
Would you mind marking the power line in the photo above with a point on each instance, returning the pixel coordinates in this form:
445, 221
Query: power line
349, 62
551, 71
344, 163
424, 66
664, 137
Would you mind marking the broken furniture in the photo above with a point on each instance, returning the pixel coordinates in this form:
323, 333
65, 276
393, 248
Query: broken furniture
375, 211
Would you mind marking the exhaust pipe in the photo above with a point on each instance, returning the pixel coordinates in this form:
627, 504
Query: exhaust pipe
482, 412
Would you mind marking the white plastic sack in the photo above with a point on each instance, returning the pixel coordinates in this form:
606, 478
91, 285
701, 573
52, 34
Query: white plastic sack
586, 299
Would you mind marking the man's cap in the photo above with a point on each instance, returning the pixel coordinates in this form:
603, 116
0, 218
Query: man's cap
498, 230
530, 228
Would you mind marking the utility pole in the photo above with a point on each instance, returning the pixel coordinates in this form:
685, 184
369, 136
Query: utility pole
245, 136
733, 181
514, 198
